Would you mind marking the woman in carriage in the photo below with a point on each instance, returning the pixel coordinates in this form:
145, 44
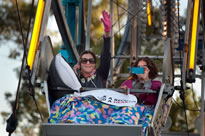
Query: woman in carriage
89, 109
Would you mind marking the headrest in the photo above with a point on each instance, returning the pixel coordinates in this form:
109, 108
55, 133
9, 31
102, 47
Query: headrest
66, 73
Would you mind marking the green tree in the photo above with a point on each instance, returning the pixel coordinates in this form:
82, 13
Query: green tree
9, 26
177, 113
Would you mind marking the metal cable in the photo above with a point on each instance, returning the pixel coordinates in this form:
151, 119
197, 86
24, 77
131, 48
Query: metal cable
100, 38
15, 107
118, 15
182, 91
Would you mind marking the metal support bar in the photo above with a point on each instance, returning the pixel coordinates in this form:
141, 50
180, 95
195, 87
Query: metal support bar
84, 89
126, 75
41, 31
188, 22
176, 59
80, 22
46, 57
202, 124
123, 43
35, 67
34, 43
193, 44
186, 43
45, 19
81, 28
140, 56
63, 28
112, 47
202, 103
134, 43
202, 92
87, 45
168, 68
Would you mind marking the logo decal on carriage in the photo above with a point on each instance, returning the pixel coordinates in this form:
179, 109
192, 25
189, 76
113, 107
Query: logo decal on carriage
110, 97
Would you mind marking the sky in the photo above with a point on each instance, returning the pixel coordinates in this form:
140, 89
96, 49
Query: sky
8, 78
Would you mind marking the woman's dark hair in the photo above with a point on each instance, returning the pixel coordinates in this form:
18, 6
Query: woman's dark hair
88, 52
150, 64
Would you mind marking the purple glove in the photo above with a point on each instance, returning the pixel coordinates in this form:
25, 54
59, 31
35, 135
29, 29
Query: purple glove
106, 21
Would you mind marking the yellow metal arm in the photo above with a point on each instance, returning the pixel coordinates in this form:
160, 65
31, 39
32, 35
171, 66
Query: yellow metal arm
194, 34
35, 34
149, 13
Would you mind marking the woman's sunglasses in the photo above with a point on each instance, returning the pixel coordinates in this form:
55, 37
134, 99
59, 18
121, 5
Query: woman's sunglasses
85, 60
